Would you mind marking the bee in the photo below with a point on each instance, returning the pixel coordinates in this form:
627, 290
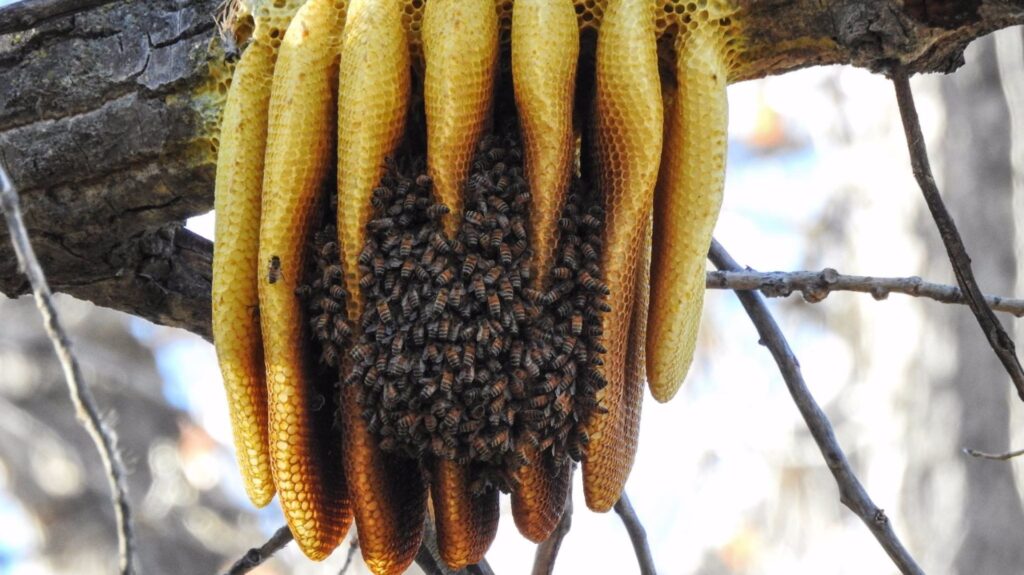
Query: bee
439, 243
592, 283
331, 272
479, 289
447, 380
473, 217
480, 446
493, 304
381, 224
445, 276
500, 440
274, 269
436, 211
496, 346
378, 266
329, 305
470, 426
576, 324
367, 281
505, 254
329, 355
419, 336
407, 423
397, 344
469, 265
440, 301
468, 355
384, 312
452, 417
444, 328
539, 401
563, 403
389, 399
531, 367
423, 181
519, 229
492, 275
472, 236
520, 458
498, 203
591, 221
496, 155
372, 377
361, 353
551, 383
515, 356
455, 298
589, 253
568, 344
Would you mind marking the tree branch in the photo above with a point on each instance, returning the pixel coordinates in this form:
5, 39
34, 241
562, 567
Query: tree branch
256, 556
997, 337
637, 534
547, 552
851, 492
996, 456
110, 118
86, 409
816, 286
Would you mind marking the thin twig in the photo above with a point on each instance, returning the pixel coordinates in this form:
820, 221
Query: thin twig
997, 337
851, 493
353, 546
428, 558
637, 535
996, 456
816, 286
86, 409
256, 556
547, 551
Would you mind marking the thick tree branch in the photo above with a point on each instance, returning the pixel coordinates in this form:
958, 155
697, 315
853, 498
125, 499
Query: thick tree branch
816, 286
637, 535
851, 492
997, 337
109, 113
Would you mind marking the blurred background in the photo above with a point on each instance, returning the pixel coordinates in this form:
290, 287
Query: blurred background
727, 480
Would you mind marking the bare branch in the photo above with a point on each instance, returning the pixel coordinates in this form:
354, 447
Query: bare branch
353, 547
637, 534
256, 556
86, 409
851, 492
815, 287
996, 456
997, 337
547, 551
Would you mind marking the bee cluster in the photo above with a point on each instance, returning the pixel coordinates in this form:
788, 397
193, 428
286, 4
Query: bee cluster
458, 356
323, 292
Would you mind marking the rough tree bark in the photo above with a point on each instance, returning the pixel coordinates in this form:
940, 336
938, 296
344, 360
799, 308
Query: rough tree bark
108, 114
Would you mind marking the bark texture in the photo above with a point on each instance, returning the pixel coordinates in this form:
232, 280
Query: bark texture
109, 113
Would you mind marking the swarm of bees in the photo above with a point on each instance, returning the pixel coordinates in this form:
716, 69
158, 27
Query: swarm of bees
459, 309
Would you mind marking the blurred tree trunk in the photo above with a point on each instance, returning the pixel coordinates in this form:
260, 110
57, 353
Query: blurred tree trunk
972, 390
49, 465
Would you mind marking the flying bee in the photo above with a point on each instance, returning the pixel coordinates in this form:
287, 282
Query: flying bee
274, 269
